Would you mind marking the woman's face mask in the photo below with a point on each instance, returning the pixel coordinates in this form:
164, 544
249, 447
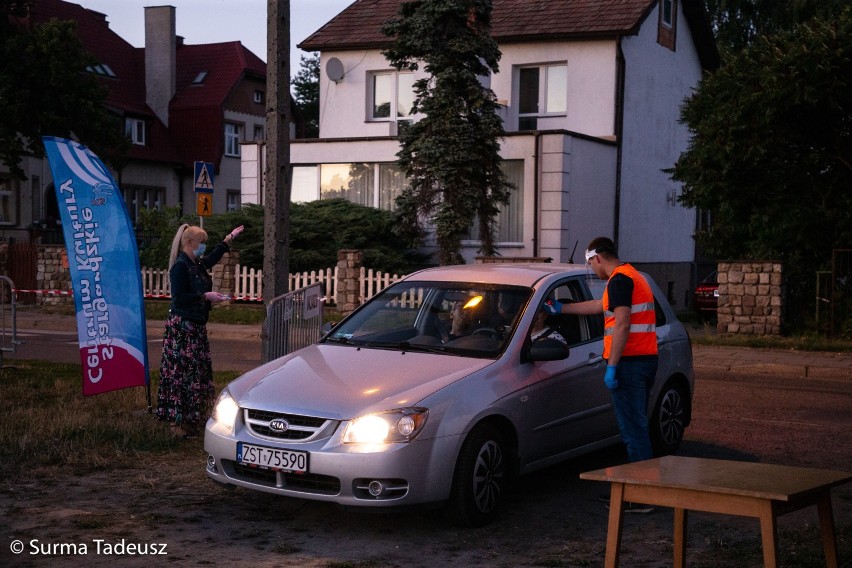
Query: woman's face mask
200, 250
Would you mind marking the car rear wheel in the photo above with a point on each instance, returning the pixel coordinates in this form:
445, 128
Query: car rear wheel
479, 478
669, 419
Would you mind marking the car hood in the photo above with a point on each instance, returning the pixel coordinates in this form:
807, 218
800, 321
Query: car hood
341, 382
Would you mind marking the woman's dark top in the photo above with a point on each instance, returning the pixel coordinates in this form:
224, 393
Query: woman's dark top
190, 280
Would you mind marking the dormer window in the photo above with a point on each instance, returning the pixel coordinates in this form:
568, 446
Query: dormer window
134, 128
667, 26
101, 69
199, 79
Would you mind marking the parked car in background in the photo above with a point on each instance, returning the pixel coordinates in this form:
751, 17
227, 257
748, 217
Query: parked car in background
433, 392
706, 297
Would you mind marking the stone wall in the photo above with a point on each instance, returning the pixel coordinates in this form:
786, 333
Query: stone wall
349, 263
53, 275
750, 298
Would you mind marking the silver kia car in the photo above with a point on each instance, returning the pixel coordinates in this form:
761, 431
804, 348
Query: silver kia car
438, 390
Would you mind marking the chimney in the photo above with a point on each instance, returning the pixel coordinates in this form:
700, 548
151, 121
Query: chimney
160, 59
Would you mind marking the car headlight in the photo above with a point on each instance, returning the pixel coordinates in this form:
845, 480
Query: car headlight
226, 409
400, 425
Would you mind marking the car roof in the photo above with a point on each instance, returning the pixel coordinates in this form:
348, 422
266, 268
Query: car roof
508, 273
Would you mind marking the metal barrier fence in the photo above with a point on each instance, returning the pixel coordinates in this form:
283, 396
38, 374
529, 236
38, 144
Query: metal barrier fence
8, 317
293, 321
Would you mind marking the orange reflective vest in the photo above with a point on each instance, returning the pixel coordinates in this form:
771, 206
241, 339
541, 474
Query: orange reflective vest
642, 339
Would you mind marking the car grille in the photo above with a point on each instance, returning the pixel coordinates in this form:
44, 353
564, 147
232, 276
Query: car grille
299, 428
304, 482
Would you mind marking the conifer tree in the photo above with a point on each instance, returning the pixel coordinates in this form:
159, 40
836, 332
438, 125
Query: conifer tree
451, 152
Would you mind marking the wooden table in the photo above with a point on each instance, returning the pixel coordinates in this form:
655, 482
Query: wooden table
757, 490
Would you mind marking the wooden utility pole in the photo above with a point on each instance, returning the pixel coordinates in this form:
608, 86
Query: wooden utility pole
276, 191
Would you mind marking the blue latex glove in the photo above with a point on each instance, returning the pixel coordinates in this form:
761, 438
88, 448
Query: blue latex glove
553, 307
609, 379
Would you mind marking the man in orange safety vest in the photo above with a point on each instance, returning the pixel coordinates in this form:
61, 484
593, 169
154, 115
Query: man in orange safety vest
630, 341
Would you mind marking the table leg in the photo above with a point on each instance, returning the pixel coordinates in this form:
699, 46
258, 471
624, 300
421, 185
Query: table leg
616, 514
680, 518
826, 524
769, 534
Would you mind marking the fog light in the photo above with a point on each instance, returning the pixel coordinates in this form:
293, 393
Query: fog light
211, 463
375, 488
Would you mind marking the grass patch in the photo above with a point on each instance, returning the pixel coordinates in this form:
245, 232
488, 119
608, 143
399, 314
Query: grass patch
47, 423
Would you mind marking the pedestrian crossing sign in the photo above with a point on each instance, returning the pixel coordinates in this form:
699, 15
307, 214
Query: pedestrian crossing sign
204, 177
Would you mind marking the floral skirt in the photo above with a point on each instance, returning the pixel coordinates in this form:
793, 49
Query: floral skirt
186, 391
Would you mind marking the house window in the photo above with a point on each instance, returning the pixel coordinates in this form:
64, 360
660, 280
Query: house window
391, 96
510, 219
140, 197
199, 79
667, 28
305, 184
8, 200
667, 7
232, 200
134, 128
258, 133
258, 97
352, 182
542, 91
392, 181
232, 139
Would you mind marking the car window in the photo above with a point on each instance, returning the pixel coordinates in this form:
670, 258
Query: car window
573, 328
456, 318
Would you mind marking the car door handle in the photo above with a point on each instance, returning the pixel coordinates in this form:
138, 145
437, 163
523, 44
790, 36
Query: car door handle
594, 359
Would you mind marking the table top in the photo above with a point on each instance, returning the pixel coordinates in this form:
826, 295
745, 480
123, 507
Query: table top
761, 480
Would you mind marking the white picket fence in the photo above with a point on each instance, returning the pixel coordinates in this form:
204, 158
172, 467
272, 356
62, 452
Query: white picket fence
248, 282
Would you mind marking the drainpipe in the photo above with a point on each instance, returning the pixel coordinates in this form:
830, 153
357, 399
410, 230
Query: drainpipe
619, 131
536, 212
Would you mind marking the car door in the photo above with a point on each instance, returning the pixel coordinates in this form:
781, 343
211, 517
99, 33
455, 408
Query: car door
568, 406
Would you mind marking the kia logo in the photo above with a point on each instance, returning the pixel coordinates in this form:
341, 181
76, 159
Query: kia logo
279, 425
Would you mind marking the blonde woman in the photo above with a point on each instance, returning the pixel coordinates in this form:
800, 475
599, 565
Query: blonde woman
186, 373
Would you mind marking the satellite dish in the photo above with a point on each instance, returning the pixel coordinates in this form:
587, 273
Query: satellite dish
334, 69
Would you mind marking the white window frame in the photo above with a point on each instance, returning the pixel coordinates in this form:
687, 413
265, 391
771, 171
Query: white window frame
232, 200
510, 218
8, 200
233, 137
546, 82
134, 128
667, 13
394, 110
139, 197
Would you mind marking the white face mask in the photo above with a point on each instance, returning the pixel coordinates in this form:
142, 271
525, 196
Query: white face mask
200, 250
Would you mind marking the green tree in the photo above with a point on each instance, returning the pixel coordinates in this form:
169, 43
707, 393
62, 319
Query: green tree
452, 154
306, 92
46, 91
738, 23
771, 152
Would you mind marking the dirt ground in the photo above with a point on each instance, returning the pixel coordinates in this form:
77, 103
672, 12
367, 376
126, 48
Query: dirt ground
550, 518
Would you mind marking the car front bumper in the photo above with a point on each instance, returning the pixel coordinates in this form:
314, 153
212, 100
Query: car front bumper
415, 472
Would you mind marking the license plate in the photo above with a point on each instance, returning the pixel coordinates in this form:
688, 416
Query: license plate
272, 458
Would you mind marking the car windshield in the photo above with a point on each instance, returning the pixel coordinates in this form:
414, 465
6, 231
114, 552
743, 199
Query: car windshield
471, 320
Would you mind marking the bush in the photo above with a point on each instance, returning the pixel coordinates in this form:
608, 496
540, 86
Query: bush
318, 230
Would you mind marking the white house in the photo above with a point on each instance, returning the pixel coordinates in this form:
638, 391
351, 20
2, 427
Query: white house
591, 92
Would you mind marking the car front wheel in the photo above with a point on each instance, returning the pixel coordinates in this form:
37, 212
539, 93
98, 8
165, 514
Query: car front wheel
669, 419
479, 477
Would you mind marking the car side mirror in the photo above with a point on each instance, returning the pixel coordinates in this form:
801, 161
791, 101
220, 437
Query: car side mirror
547, 349
327, 327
